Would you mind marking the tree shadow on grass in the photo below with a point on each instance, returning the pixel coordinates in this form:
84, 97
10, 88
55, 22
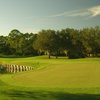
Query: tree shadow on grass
47, 95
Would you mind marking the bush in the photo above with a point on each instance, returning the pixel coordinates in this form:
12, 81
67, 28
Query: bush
73, 54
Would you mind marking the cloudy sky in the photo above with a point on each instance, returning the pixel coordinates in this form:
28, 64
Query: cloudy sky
34, 15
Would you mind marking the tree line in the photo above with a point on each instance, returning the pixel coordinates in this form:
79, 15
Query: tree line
69, 42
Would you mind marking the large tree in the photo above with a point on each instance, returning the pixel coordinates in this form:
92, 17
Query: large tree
47, 41
22, 43
14, 40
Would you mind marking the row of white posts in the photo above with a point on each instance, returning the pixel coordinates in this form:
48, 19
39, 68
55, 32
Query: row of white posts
14, 68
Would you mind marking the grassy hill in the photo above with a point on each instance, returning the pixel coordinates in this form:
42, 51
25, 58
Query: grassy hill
52, 79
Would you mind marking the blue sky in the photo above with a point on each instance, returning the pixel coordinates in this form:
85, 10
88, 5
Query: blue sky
34, 15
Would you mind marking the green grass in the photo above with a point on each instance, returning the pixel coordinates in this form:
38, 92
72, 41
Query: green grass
52, 79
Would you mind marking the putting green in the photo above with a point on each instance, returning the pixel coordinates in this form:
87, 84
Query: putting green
59, 73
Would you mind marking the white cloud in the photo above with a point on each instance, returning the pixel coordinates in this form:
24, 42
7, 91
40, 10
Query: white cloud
91, 12
80, 13
94, 11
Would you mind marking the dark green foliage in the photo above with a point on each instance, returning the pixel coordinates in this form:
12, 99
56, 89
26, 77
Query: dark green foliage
17, 43
70, 42
47, 41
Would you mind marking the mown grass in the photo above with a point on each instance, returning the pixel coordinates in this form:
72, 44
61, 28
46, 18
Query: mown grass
52, 79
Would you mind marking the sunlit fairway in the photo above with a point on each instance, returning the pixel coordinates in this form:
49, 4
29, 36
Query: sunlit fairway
52, 79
